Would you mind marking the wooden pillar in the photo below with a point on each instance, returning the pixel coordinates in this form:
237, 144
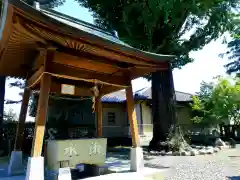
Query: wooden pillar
21, 122
99, 115
41, 115
132, 117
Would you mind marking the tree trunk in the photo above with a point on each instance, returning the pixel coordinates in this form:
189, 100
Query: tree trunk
2, 95
227, 131
233, 132
221, 130
163, 106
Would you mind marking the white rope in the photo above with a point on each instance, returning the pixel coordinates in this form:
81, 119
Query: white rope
68, 98
95, 81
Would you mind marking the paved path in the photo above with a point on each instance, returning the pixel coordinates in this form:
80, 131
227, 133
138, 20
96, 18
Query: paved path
225, 165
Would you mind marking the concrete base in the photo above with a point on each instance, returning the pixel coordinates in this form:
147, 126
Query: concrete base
35, 168
15, 166
64, 174
137, 162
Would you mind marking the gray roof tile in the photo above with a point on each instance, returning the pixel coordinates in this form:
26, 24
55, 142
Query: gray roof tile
84, 26
101, 33
145, 93
118, 97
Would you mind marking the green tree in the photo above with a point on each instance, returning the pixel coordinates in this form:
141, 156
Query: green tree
161, 26
218, 103
234, 56
233, 52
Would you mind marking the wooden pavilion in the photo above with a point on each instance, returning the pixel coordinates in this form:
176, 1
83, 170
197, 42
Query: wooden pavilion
49, 49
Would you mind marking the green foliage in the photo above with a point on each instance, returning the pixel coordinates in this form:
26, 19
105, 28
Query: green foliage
218, 102
233, 52
160, 25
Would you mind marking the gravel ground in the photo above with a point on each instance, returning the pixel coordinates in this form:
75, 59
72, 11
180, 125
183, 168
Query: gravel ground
225, 165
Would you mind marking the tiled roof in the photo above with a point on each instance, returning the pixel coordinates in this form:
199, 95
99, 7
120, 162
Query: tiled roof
101, 33
180, 96
118, 96
84, 26
145, 93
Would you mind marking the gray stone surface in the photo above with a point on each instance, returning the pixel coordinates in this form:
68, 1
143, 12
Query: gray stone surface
210, 151
155, 153
183, 153
194, 152
216, 150
176, 153
223, 165
202, 151
163, 153
199, 147
209, 147
219, 142
170, 153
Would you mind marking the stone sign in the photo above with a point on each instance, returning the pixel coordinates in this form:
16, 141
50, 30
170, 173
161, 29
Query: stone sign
79, 151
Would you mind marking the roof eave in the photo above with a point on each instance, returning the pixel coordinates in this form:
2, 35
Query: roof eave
70, 30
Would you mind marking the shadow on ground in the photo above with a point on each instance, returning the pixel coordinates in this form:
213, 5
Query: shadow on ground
234, 178
119, 158
157, 166
3, 170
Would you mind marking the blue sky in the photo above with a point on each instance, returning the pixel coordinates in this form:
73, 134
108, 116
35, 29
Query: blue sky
206, 63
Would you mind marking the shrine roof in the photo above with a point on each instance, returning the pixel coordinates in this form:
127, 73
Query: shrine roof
99, 32
81, 49
84, 26
79, 29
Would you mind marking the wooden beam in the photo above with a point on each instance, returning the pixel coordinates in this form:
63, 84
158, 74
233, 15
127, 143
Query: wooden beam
132, 117
100, 54
95, 63
84, 63
79, 90
35, 78
99, 110
41, 116
49, 59
77, 73
104, 66
40, 59
21, 122
44, 60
